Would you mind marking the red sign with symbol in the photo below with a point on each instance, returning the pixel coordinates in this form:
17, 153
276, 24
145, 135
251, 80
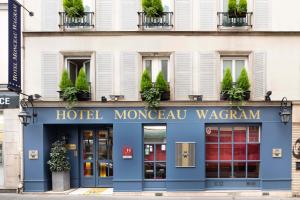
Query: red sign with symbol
127, 152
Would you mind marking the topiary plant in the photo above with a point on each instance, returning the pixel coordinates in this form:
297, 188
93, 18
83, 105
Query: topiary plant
65, 81
242, 7
152, 8
227, 81
243, 81
73, 8
158, 7
161, 83
81, 81
232, 8
146, 82
58, 157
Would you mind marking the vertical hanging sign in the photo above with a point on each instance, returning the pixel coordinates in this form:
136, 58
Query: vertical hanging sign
14, 46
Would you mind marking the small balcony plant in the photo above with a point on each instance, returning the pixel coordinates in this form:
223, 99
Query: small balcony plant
232, 8
152, 8
163, 87
244, 84
146, 83
242, 8
82, 86
73, 8
226, 84
65, 82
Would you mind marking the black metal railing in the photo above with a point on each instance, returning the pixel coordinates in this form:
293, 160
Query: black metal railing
225, 20
163, 22
86, 21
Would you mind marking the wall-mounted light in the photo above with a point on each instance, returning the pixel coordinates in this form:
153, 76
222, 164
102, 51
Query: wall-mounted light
25, 116
193, 97
268, 96
284, 112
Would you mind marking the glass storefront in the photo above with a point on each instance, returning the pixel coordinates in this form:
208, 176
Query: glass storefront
1, 149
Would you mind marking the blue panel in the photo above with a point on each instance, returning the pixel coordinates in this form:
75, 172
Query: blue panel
221, 184
185, 185
276, 184
127, 186
154, 185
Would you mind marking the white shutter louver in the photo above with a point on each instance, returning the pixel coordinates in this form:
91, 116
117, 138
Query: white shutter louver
129, 16
259, 73
262, 15
208, 76
104, 15
183, 15
104, 74
208, 15
129, 70
183, 75
50, 15
49, 75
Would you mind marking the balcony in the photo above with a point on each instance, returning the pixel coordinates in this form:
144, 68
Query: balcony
224, 20
163, 22
66, 22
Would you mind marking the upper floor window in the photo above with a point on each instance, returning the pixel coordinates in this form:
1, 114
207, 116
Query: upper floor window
235, 64
156, 64
74, 64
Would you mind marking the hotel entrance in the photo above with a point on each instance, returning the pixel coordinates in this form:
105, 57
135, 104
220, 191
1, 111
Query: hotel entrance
96, 157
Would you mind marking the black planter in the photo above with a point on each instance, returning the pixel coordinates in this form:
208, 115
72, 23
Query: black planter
61, 95
241, 14
142, 97
165, 96
247, 95
231, 14
83, 96
224, 96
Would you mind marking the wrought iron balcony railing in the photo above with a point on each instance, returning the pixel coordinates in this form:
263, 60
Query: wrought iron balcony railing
163, 22
86, 21
224, 20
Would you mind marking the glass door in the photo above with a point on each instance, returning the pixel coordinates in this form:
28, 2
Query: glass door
88, 159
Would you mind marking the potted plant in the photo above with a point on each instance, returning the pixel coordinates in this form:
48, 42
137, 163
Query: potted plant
232, 8
242, 9
70, 95
152, 97
226, 84
65, 82
163, 87
73, 8
59, 166
82, 86
152, 8
146, 83
244, 84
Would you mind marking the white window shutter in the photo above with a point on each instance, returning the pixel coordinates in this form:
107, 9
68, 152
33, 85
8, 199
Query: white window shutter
50, 9
259, 75
183, 75
104, 15
129, 16
262, 15
208, 76
129, 75
208, 15
49, 75
183, 15
104, 74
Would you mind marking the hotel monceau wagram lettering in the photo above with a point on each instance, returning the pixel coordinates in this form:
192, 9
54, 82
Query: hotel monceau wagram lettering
144, 114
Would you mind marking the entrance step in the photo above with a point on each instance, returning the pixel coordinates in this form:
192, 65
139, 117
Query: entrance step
92, 191
8, 190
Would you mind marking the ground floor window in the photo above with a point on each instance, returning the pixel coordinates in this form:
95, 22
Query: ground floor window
154, 152
232, 151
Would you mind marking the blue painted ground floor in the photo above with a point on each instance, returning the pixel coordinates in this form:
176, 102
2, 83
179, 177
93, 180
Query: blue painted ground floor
173, 148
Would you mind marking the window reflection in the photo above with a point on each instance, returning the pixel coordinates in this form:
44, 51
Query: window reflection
88, 144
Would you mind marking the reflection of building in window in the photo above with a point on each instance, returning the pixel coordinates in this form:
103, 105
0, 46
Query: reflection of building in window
74, 64
154, 152
156, 64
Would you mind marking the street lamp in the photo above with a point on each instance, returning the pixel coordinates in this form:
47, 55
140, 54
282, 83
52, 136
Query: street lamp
25, 116
284, 113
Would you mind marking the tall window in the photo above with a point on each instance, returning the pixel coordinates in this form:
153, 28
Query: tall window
74, 64
154, 152
232, 152
156, 64
235, 65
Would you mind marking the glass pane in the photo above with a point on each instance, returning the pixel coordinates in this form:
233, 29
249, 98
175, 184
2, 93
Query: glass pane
167, 5
111, 169
253, 134
211, 169
239, 65
102, 152
148, 67
102, 134
225, 152
226, 134
227, 64
211, 151
239, 169
160, 170
88, 169
103, 169
211, 134
239, 151
161, 152
87, 70
225, 5
149, 170
155, 134
239, 134
253, 152
88, 145
225, 170
164, 69
253, 170
72, 71
149, 152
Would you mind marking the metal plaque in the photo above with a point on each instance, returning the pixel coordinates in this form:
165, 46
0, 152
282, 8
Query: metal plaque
33, 154
277, 153
71, 146
185, 154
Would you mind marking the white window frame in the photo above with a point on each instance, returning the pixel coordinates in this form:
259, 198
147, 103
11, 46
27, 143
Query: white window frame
156, 66
234, 59
259, 135
67, 65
